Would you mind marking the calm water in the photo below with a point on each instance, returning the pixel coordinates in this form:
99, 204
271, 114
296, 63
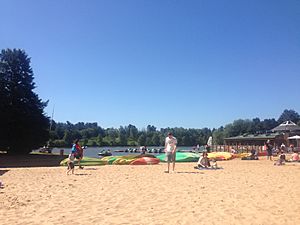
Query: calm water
93, 151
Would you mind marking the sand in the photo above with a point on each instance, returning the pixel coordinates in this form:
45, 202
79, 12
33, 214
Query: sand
243, 192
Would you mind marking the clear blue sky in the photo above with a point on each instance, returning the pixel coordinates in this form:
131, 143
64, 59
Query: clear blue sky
167, 63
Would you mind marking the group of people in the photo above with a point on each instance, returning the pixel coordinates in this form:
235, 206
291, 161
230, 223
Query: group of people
281, 154
282, 158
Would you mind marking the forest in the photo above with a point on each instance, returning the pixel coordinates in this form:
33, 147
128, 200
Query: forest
92, 134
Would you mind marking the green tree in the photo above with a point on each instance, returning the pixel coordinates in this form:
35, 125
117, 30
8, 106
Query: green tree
142, 139
70, 136
23, 123
218, 136
155, 139
269, 124
122, 140
291, 115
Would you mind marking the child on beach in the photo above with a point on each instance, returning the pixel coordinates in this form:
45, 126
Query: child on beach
203, 161
71, 165
281, 159
214, 164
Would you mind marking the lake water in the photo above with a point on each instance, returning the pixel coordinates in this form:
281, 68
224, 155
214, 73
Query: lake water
93, 151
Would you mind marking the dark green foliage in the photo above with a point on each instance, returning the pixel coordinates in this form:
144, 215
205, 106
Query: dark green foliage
291, 115
92, 134
66, 133
23, 125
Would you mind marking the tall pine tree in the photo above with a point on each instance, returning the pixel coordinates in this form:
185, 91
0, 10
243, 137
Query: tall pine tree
23, 123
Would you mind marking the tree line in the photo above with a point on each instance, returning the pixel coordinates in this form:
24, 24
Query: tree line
25, 126
91, 134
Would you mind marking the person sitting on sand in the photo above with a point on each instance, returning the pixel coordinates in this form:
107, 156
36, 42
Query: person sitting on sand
233, 151
70, 162
281, 159
203, 161
295, 157
253, 155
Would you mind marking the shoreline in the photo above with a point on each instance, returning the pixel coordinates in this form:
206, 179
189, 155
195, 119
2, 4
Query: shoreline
31, 160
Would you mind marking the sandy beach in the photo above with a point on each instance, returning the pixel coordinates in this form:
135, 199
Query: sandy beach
243, 192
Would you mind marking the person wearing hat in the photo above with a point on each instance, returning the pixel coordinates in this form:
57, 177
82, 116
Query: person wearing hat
170, 150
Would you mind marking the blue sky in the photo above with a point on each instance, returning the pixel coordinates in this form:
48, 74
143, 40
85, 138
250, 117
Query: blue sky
173, 63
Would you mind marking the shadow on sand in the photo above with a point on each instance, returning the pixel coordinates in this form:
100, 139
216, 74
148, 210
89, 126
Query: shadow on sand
189, 172
82, 174
90, 168
3, 172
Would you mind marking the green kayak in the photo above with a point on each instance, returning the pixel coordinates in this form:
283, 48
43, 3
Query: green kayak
181, 157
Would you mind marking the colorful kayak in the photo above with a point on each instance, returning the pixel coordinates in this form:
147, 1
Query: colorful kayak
181, 157
130, 160
145, 161
220, 155
240, 155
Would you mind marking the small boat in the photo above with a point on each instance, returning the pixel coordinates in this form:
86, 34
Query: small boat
119, 150
161, 150
45, 150
105, 153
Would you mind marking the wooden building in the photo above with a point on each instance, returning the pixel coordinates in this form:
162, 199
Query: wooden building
256, 139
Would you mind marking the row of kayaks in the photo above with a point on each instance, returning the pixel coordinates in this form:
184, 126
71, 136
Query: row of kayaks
117, 160
131, 150
148, 159
147, 150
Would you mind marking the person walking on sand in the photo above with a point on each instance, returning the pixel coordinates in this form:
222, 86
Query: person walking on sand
170, 150
78, 152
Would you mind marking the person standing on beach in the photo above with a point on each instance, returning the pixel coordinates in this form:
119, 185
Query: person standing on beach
269, 150
170, 150
78, 152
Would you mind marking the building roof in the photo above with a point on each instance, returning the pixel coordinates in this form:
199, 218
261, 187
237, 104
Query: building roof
287, 126
254, 137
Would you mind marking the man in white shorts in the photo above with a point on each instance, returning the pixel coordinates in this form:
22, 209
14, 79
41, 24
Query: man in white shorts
170, 150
